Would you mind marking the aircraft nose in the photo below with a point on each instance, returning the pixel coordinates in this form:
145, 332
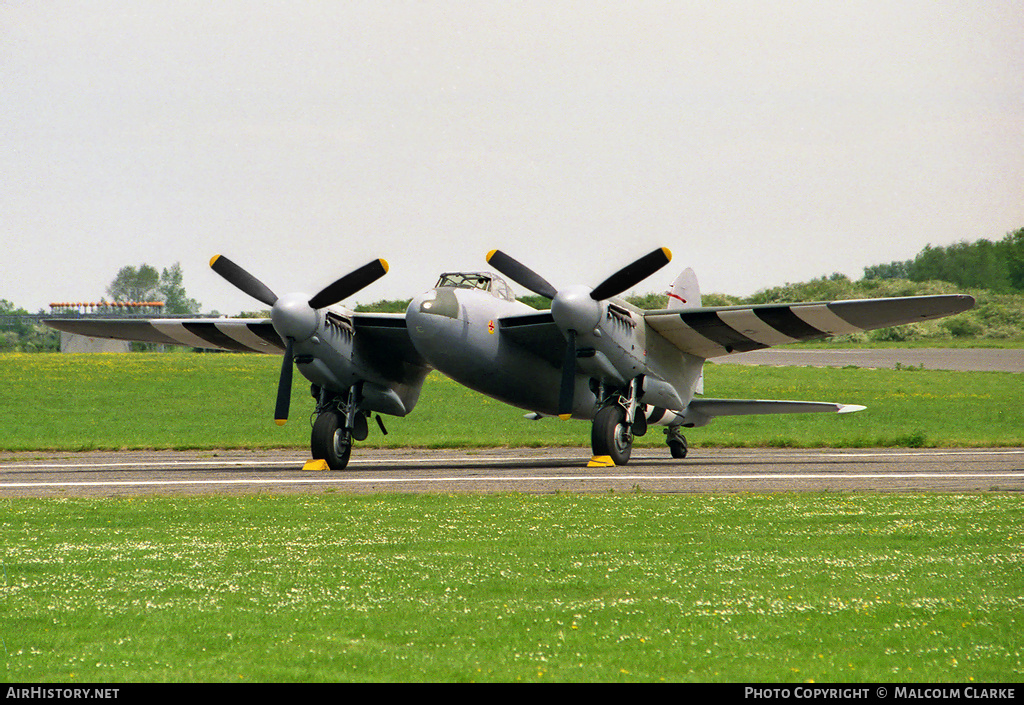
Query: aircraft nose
434, 325
293, 318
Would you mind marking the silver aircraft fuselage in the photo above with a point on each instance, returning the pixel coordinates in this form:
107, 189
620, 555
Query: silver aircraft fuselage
460, 332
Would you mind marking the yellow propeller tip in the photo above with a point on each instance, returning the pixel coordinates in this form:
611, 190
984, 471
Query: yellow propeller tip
490, 254
384, 264
668, 253
280, 422
565, 417
214, 259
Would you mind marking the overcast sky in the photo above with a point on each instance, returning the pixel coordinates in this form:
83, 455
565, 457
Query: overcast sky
761, 142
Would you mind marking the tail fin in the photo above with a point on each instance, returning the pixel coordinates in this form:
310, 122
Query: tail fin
684, 292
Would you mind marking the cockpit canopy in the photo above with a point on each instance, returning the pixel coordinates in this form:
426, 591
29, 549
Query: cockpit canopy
484, 281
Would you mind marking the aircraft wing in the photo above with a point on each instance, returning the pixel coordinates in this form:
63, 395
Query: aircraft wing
385, 334
715, 331
234, 334
537, 333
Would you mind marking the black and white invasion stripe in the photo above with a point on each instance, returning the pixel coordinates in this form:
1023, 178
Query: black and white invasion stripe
234, 334
712, 332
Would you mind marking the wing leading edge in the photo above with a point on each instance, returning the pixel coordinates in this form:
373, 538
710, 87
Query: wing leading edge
715, 331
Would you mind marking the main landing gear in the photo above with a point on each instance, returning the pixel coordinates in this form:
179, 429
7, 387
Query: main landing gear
616, 422
619, 420
330, 440
339, 422
611, 436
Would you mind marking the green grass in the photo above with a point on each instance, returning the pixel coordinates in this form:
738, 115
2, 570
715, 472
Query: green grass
138, 400
330, 587
635, 587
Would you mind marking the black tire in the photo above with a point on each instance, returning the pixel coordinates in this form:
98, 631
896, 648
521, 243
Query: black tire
678, 449
329, 441
677, 444
611, 435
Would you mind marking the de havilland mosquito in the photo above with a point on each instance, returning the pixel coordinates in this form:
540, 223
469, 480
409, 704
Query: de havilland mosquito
591, 356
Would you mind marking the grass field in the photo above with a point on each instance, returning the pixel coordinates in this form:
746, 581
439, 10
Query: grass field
137, 400
622, 587
611, 587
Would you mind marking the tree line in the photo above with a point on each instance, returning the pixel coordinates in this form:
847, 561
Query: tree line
983, 264
996, 267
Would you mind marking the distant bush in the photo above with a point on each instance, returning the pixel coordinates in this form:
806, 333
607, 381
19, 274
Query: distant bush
385, 306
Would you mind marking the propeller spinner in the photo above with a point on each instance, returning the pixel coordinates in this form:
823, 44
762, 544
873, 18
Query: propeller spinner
576, 308
293, 317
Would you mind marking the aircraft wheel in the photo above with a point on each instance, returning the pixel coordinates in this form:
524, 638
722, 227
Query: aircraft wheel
611, 434
677, 448
330, 441
676, 442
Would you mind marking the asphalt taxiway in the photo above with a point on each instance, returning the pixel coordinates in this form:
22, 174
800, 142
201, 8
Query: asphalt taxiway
544, 470
961, 359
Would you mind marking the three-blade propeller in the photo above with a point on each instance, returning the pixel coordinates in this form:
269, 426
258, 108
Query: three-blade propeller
574, 310
283, 310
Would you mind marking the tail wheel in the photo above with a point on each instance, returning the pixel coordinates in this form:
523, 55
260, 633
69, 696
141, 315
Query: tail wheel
611, 434
676, 442
330, 441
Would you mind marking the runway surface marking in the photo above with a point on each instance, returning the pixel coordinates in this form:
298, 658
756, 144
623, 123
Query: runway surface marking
521, 478
658, 470
17, 465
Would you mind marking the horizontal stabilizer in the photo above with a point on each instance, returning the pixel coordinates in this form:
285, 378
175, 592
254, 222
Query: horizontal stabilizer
743, 407
700, 412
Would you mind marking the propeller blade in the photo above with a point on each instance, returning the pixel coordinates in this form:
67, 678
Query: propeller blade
520, 273
242, 279
631, 274
565, 394
350, 284
284, 387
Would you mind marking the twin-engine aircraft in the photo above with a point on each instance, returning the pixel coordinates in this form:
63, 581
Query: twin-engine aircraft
590, 356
